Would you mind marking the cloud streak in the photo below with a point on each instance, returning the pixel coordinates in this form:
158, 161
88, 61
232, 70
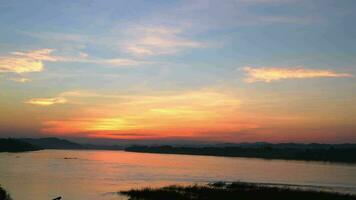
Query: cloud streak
46, 101
118, 62
158, 40
270, 74
41, 54
20, 62
20, 80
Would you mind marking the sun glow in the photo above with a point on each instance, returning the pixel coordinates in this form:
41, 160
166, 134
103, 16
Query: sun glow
180, 114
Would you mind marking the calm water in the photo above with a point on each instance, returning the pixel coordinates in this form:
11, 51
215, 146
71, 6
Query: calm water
95, 175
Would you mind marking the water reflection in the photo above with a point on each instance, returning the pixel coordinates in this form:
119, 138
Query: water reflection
97, 174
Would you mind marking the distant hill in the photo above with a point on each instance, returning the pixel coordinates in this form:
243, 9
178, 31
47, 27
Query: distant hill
56, 143
53, 143
290, 151
15, 145
103, 147
312, 152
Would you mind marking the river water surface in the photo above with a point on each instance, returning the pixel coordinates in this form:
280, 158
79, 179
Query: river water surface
97, 175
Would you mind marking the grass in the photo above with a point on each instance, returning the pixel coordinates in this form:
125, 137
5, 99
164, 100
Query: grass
4, 195
232, 191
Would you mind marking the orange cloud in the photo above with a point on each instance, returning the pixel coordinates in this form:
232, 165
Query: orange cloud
46, 101
269, 74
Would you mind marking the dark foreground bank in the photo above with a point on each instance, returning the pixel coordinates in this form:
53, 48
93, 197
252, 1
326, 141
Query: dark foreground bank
233, 191
4, 195
328, 153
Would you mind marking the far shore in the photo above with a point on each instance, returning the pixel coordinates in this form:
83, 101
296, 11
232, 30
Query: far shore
331, 153
340, 153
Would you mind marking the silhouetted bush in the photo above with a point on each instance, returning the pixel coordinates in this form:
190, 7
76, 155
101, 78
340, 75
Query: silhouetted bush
233, 191
4, 195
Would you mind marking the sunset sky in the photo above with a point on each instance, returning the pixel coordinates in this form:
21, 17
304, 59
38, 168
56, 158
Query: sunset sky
207, 70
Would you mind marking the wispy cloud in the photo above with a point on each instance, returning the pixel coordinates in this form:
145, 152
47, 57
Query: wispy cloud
234, 13
269, 74
68, 96
120, 62
82, 57
46, 101
24, 62
20, 79
158, 40
33, 61
115, 62
41, 54
61, 37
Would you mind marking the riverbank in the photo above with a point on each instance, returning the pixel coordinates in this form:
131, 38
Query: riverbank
231, 191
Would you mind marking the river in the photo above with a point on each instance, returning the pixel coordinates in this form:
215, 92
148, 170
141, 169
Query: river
98, 175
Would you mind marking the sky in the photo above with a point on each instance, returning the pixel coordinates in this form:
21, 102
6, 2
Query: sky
199, 70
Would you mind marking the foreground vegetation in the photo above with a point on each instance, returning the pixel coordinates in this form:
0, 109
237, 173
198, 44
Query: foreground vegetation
233, 191
4, 195
330, 153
